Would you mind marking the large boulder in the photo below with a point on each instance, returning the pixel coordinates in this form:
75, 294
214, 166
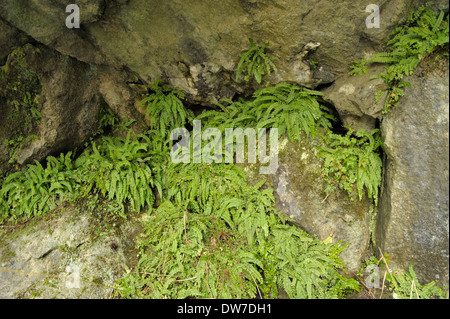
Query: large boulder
67, 101
196, 46
354, 99
70, 97
70, 104
413, 216
299, 192
75, 251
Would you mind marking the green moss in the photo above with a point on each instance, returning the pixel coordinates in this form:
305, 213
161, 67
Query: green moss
6, 255
20, 91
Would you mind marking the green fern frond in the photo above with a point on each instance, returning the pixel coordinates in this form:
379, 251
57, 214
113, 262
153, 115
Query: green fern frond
35, 190
406, 285
349, 160
222, 238
423, 33
165, 109
257, 62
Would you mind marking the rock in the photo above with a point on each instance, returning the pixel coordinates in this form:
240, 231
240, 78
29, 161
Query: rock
20, 92
73, 252
45, 21
413, 221
299, 71
299, 192
438, 5
69, 108
389, 11
10, 37
354, 99
120, 97
70, 99
196, 47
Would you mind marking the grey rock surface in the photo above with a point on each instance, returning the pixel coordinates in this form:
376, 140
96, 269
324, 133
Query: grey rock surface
69, 253
196, 46
413, 216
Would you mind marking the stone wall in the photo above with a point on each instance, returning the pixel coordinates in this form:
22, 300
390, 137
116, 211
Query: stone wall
196, 45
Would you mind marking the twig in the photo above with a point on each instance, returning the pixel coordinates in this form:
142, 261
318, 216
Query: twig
163, 256
382, 287
192, 278
415, 288
207, 279
154, 274
184, 222
163, 275
387, 267
410, 294
257, 288
364, 284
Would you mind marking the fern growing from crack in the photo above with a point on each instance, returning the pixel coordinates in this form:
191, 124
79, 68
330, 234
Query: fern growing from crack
423, 33
290, 108
287, 107
352, 161
406, 285
359, 67
165, 108
257, 62
121, 169
36, 190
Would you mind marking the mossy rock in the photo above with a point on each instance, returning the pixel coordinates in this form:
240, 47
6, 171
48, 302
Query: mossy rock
299, 191
67, 253
20, 104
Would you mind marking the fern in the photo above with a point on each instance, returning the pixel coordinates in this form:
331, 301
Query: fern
287, 107
36, 190
257, 62
235, 114
307, 268
215, 236
423, 33
165, 109
352, 162
107, 120
121, 169
290, 108
359, 67
405, 285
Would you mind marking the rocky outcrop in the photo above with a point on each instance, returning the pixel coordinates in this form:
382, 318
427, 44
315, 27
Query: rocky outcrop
413, 215
193, 46
70, 100
68, 105
73, 252
196, 46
